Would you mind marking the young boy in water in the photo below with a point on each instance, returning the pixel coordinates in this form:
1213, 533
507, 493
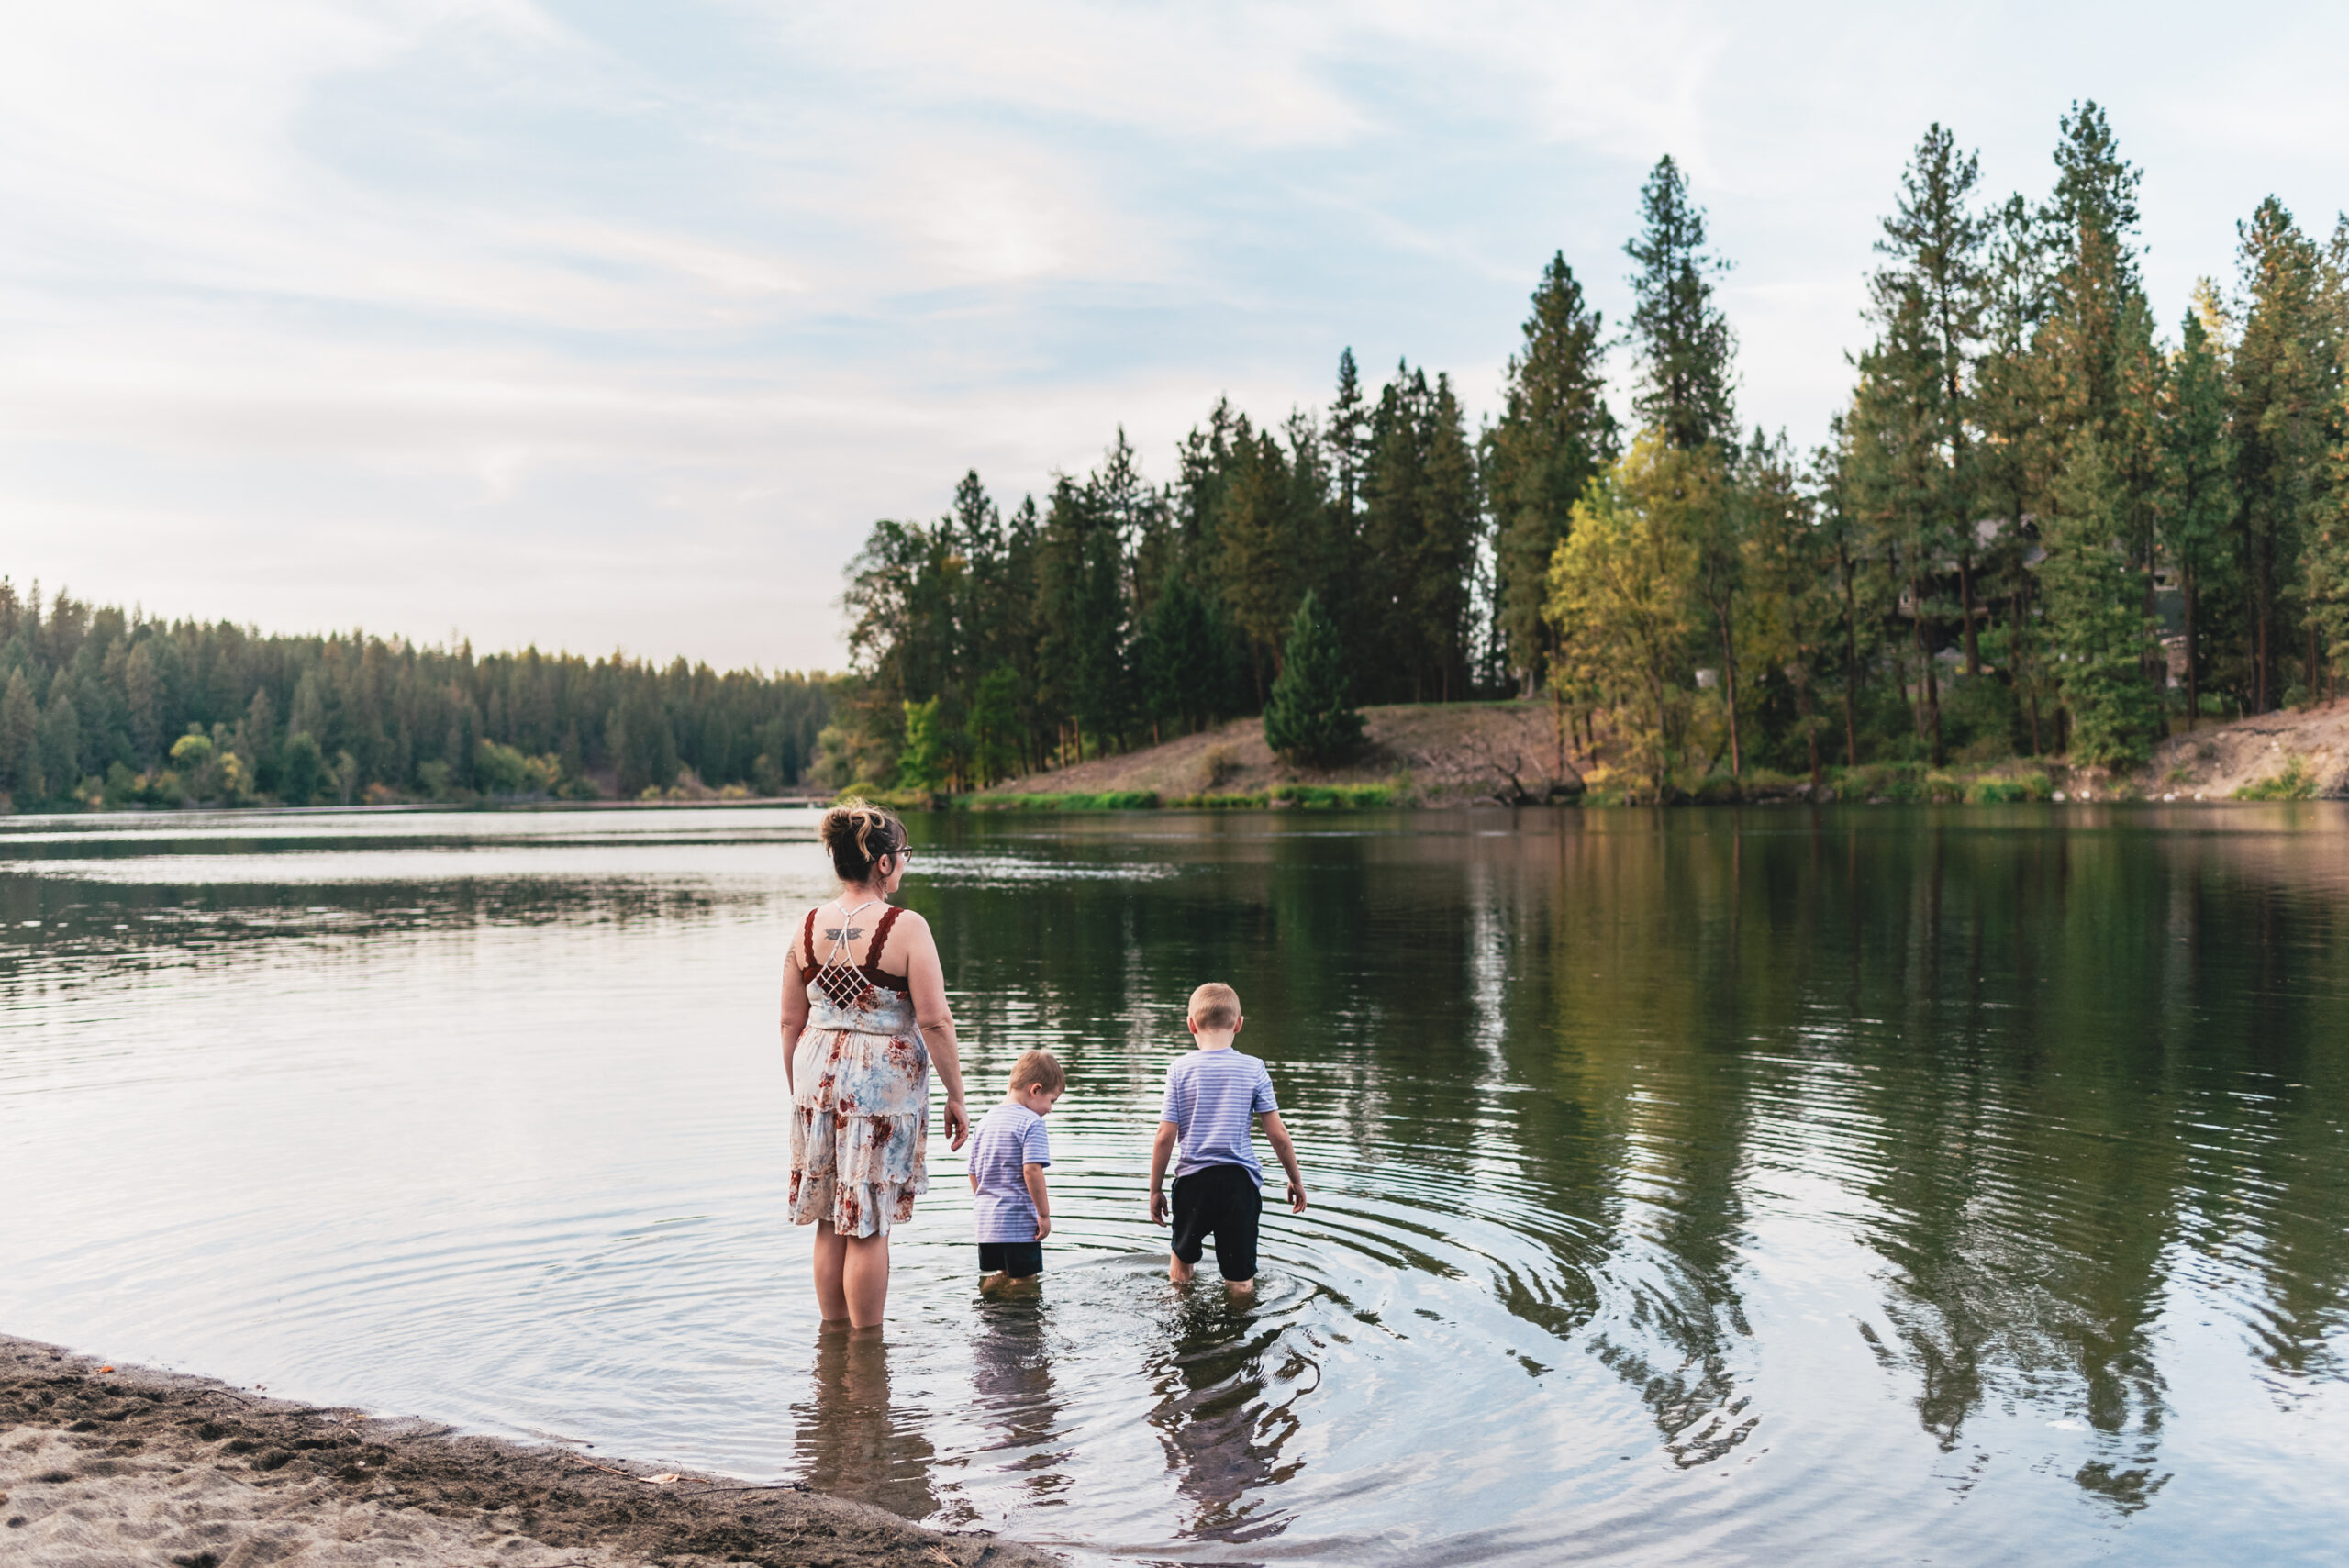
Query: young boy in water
1013, 1210
1212, 1096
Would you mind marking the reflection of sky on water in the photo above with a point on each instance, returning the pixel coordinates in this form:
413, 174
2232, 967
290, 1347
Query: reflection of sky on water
1969, 1181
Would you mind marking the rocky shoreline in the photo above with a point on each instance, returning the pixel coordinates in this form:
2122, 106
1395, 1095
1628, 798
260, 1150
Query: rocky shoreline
103, 1464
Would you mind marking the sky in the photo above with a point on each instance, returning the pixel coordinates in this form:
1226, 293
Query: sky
601, 326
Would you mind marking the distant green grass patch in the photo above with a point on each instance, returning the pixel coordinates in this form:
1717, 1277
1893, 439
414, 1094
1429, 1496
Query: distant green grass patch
1103, 800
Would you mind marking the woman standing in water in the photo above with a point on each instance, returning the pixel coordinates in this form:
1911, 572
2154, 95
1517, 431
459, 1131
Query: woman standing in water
865, 1019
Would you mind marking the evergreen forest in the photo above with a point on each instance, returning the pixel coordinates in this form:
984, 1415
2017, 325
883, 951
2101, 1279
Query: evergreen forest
2042, 525
100, 708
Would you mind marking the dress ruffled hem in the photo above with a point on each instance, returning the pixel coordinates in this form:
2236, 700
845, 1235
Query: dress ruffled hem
860, 1173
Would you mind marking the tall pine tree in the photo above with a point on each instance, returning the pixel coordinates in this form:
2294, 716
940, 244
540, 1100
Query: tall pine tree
1554, 434
1686, 383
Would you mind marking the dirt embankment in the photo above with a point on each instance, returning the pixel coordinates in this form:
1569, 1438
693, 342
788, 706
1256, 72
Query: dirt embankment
102, 1466
2214, 762
1465, 753
1451, 754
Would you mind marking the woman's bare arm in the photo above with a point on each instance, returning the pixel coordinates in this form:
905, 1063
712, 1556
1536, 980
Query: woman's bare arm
794, 1009
927, 978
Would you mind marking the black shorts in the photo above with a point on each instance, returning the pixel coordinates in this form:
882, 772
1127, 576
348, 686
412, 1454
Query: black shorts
1219, 1201
1020, 1260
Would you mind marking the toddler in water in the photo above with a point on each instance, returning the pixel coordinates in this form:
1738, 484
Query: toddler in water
1014, 1211
1212, 1096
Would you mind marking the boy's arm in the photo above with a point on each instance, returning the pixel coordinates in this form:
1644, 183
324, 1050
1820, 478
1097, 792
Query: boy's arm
1278, 1135
1161, 1152
1033, 1175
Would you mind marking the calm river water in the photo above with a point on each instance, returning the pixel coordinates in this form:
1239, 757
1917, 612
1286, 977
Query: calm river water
1856, 1187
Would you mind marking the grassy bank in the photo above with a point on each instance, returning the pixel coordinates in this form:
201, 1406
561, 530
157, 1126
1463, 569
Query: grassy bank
1889, 784
1290, 796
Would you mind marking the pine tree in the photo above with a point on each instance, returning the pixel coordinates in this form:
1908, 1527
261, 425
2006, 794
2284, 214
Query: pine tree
1395, 530
2096, 623
301, 770
1083, 607
1255, 559
61, 740
1686, 347
1183, 659
1792, 608
1309, 720
2323, 582
1349, 435
20, 773
1554, 434
1441, 600
1895, 482
2195, 536
997, 752
1934, 242
2283, 375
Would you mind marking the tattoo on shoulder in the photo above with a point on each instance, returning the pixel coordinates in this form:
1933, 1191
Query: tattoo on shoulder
834, 934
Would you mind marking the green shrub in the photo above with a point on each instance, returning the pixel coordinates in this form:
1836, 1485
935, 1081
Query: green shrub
1309, 718
1215, 801
2010, 791
1903, 781
1714, 789
2297, 782
1334, 797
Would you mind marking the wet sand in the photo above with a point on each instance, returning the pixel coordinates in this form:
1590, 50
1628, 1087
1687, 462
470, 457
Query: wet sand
102, 1465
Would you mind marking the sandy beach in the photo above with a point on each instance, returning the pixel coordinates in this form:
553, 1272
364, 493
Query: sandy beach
103, 1464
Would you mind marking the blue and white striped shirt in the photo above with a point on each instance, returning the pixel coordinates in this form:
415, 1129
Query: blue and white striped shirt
1213, 1098
1011, 1137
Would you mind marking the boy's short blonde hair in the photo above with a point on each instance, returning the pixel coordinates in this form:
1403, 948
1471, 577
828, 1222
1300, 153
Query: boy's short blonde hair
1214, 1006
1038, 1069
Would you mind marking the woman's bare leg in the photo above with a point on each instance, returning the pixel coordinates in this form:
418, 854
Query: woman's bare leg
864, 1279
832, 1293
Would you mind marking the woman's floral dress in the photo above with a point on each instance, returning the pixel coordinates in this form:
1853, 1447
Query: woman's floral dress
860, 1095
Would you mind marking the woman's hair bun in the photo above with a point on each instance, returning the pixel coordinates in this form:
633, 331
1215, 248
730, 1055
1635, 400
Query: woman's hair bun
857, 835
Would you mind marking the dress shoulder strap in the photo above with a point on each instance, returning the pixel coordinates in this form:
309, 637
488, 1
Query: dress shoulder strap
807, 940
881, 937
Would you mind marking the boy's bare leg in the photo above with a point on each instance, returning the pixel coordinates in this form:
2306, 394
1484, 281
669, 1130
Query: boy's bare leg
1177, 1270
1240, 1286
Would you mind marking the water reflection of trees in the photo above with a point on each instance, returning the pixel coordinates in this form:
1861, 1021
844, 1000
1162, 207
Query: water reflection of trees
2047, 1068
2040, 1064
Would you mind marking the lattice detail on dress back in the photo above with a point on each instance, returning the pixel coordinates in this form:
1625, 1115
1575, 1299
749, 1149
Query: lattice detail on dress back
841, 982
844, 983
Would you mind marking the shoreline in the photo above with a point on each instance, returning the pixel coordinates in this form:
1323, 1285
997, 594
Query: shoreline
102, 1462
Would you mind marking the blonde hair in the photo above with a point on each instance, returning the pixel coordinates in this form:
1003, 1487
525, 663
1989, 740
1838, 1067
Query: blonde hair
1214, 1006
857, 835
1041, 1069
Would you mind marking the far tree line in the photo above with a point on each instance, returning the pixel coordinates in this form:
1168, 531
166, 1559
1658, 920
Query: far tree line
102, 706
2040, 526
